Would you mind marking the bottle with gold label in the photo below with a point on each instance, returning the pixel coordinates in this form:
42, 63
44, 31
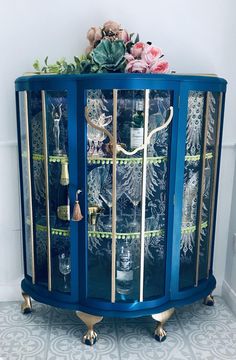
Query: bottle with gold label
63, 207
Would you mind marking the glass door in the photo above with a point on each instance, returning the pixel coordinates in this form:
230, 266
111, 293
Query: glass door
45, 170
127, 186
199, 191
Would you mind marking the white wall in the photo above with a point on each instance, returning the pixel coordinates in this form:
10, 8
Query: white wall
196, 36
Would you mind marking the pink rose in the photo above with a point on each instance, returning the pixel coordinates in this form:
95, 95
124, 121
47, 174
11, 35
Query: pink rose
137, 49
151, 53
137, 66
129, 57
159, 67
123, 35
94, 34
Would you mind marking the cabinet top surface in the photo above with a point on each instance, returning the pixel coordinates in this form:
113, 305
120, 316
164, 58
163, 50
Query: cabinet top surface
31, 77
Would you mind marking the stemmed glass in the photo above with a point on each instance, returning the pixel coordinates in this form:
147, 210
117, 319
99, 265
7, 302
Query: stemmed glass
133, 189
135, 198
64, 267
97, 136
106, 196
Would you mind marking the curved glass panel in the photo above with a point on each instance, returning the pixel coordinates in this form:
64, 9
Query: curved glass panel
50, 179
198, 184
25, 163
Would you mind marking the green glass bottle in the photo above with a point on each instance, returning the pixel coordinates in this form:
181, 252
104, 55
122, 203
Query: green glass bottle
136, 128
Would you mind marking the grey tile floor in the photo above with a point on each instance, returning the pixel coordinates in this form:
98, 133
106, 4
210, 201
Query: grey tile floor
194, 332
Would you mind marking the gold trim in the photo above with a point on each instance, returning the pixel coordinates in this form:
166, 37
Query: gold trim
45, 149
30, 186
212, 208
113, 246
143, 208
199, 215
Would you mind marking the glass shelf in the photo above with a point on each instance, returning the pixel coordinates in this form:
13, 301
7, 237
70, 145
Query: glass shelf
52, 158
54, 231
136, 235
107, 235
120, 161
138, 160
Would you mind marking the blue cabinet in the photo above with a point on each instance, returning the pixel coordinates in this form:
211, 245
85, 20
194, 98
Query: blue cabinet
138, 155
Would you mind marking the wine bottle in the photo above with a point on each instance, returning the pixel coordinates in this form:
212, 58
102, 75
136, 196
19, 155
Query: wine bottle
136, 129
63, 207
124, 271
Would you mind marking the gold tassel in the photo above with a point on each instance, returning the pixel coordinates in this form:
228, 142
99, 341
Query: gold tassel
77, 215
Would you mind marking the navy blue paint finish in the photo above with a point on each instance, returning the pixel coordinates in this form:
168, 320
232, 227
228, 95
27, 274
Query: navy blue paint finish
76, 86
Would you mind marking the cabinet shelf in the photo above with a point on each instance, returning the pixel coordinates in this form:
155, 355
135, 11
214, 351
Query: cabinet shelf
52, 158
133, 235
150, 160
120, 161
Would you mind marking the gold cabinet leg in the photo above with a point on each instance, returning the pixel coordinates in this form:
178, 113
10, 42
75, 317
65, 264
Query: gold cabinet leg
90, 336
209, 300
160, 333
26, 306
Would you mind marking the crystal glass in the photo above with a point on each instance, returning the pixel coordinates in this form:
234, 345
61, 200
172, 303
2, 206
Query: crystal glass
106, 196
64, 267
97, 137
132, 188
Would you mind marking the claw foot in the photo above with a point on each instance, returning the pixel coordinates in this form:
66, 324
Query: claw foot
209, 300
90, 337
161, 318
26, 306
160, 333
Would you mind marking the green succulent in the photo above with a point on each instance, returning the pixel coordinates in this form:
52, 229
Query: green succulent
109, 55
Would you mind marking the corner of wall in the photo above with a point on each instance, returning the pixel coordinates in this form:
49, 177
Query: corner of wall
229, 295
11, 291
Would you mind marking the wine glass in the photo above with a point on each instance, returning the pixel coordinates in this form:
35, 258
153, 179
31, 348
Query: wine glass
106, 196
64, 267
133, 189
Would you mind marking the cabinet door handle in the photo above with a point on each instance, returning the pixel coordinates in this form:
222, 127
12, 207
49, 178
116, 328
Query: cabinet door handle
77, 214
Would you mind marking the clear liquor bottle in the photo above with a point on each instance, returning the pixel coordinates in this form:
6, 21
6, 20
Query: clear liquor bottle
124, 271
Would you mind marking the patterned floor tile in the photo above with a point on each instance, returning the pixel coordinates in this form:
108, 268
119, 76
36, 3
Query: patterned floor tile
195, 332
65, 343
10, 314
219, 311
212, 336
23, 343
136, 342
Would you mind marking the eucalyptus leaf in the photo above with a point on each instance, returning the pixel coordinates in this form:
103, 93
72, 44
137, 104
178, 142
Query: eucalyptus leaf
36, 65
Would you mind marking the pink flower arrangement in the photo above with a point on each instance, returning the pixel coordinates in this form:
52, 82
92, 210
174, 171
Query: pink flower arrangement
111, 49
140, 57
